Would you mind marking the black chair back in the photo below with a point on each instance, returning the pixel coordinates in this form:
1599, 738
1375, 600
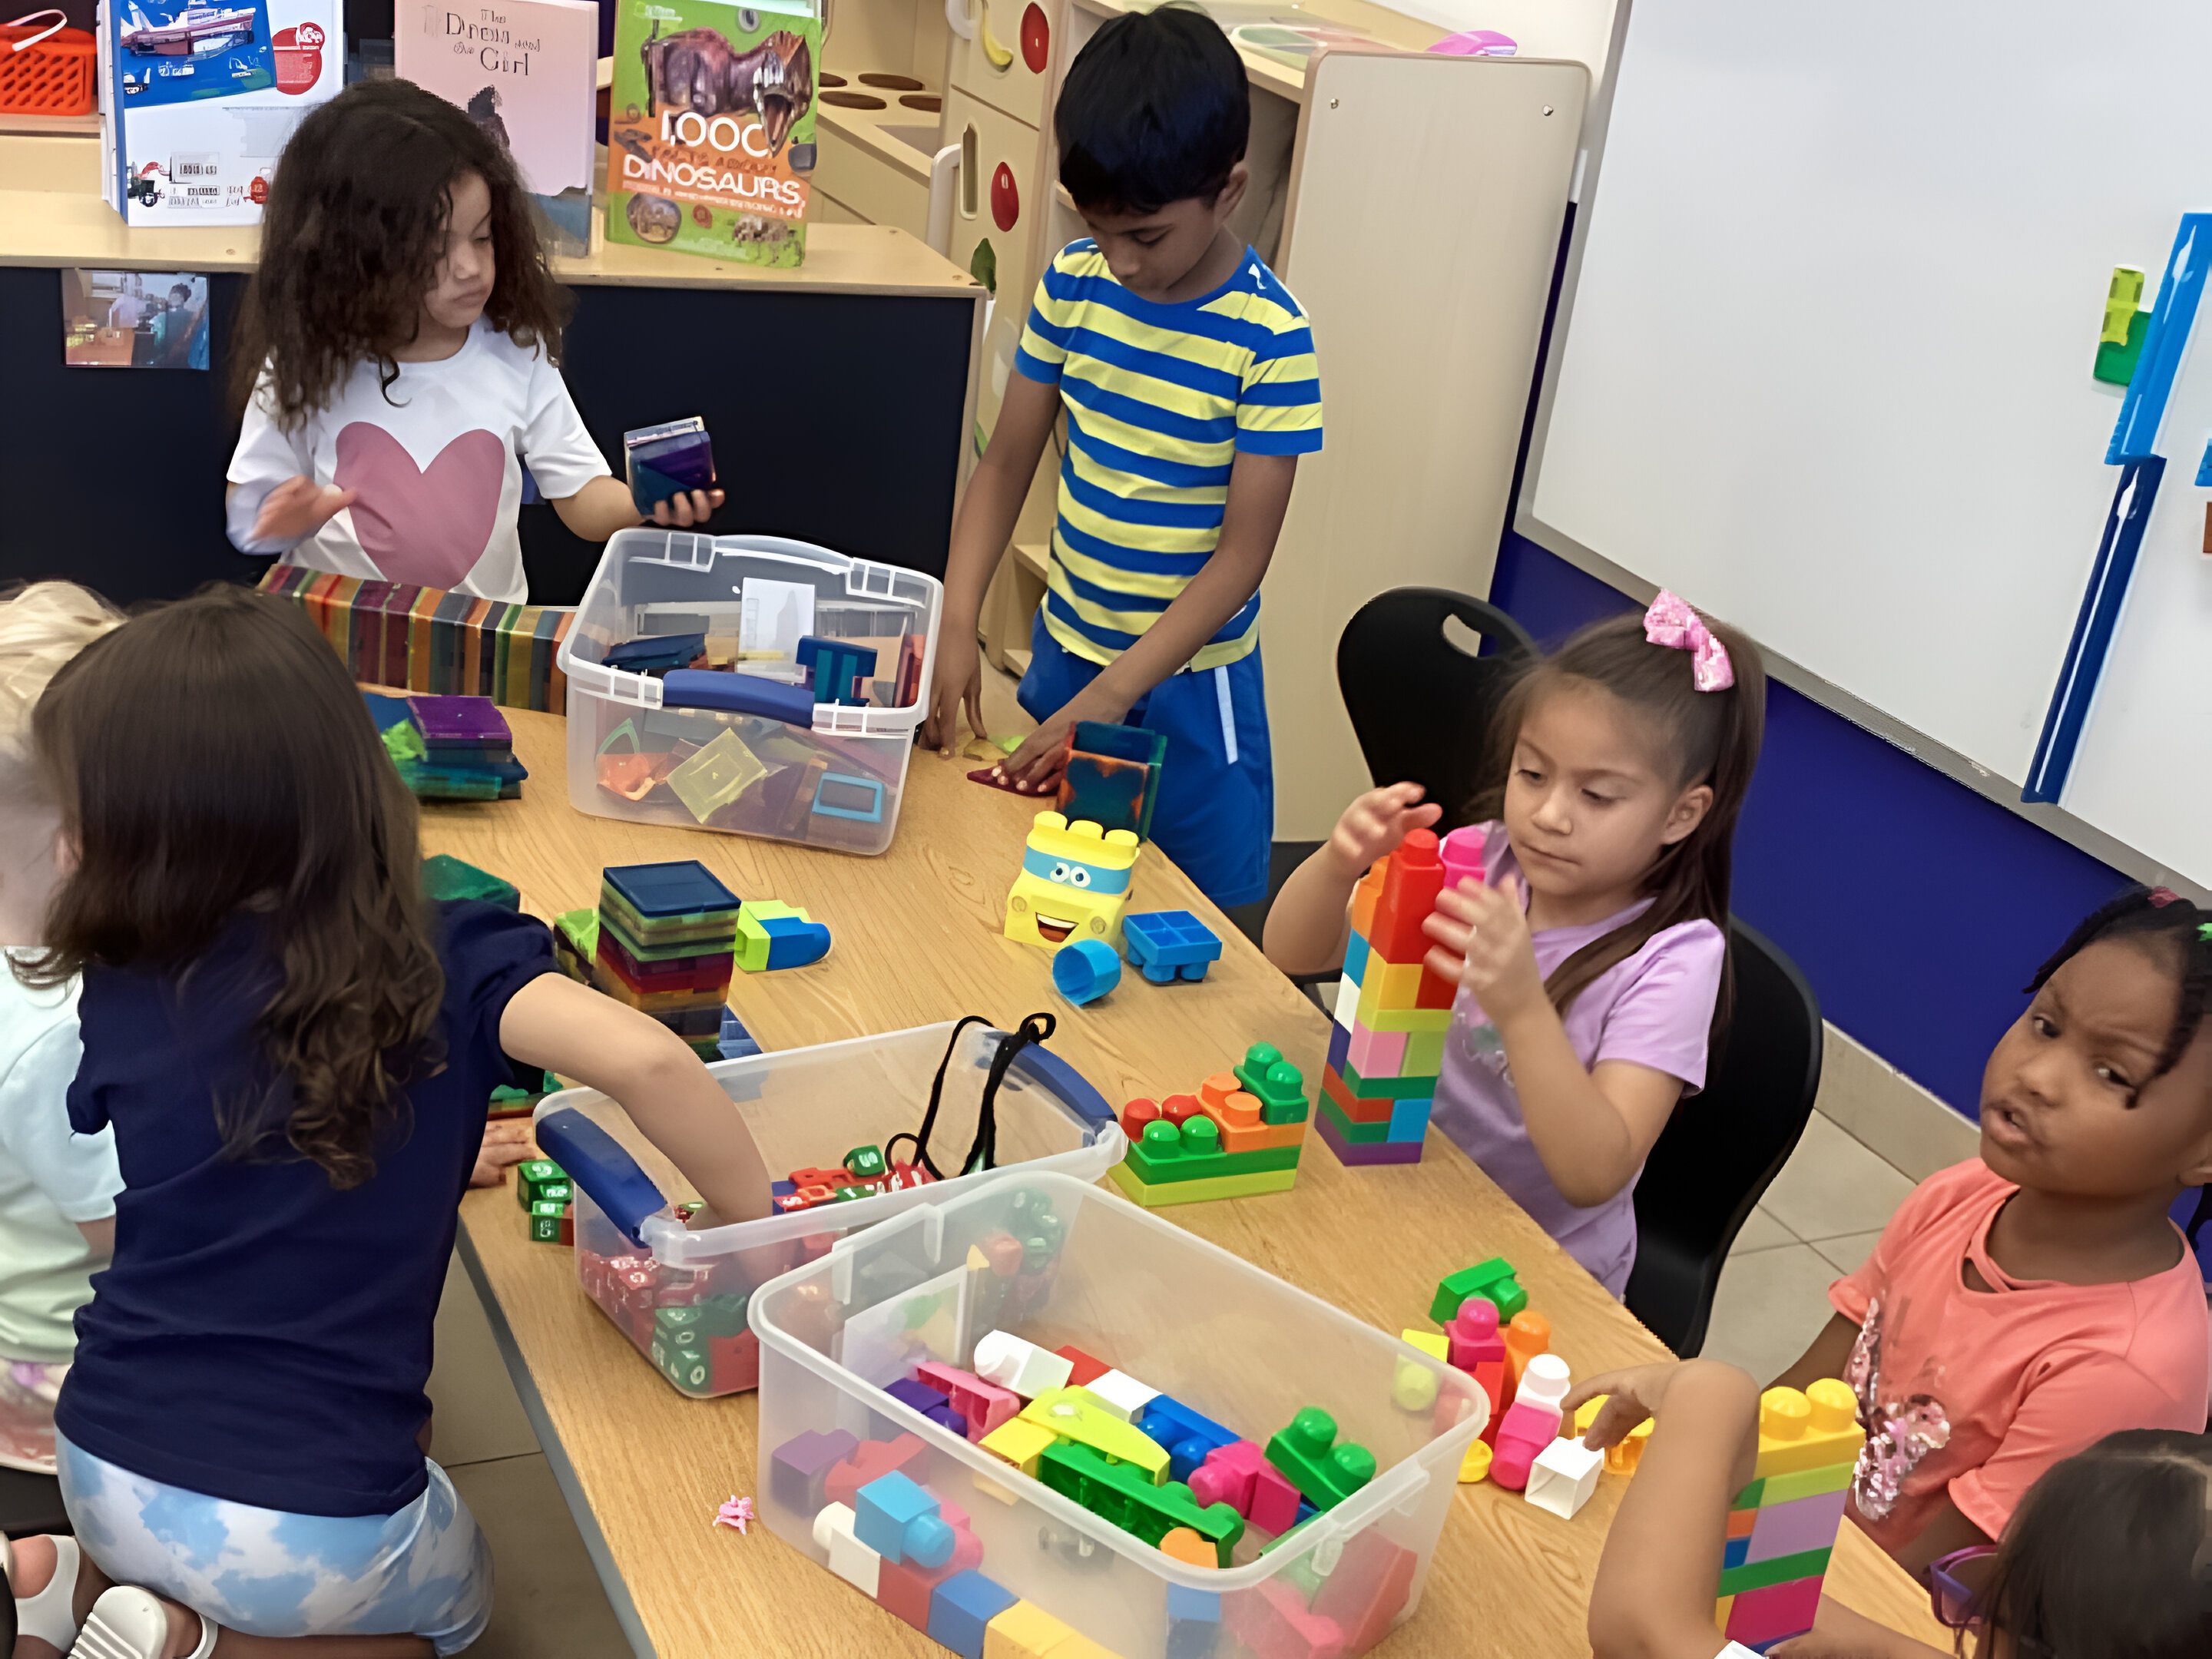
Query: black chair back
1723, 1146
30, 1503
1404, 682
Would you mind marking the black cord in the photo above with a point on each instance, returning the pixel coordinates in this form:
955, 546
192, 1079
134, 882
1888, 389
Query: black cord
984, 1152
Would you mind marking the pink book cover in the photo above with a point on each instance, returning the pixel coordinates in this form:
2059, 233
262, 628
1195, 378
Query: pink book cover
527, 72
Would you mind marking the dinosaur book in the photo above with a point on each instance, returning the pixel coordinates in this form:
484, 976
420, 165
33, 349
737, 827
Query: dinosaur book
710, 132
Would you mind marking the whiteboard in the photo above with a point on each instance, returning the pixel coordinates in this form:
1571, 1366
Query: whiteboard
1827, 360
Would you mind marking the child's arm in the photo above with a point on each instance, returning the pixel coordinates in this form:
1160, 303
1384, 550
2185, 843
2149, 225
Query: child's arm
644, 1067
604, 506
980, 530
99, 1235
1830, 1353
1259, 495
1592, 1129
1306, 925
1662, 1565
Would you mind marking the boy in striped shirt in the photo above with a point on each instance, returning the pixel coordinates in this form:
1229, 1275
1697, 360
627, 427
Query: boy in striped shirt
1186, 372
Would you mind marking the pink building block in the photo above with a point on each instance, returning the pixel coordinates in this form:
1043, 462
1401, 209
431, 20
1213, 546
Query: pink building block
1376, 1053
1240, 1476
985, 1405
1791, 1528
1473, 1345
1760, 1618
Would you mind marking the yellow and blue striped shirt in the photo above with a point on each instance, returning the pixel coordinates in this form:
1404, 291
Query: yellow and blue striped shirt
1159, 399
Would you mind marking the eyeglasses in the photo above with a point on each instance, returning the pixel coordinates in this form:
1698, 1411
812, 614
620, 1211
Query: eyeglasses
1952, 1598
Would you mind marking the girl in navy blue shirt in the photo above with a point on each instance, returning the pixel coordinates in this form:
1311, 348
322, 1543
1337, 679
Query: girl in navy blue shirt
294, 1051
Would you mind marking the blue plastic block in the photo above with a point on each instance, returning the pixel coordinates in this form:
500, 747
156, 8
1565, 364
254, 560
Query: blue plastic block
656, 650
1409, 1119
900, 1521
963, 1607
1733, 1554
1339, 1047
1170, 944
1186, 1435
1194, 1622
1085, 969
793, 942
678, 889
1355, 958
832, 665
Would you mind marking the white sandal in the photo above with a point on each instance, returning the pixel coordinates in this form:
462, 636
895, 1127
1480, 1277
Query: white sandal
128, 1623
51, 1615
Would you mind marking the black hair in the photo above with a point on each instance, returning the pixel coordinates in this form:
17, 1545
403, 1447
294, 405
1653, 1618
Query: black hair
2176, 928
2109, 1556
1155, 109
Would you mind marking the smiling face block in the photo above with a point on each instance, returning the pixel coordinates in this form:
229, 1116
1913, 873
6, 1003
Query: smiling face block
1074, 881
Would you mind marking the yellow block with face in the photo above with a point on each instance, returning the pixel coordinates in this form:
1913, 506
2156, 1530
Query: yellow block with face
1073, 884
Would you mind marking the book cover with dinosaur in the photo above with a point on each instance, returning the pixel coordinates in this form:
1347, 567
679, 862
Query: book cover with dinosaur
527, 73
710, 134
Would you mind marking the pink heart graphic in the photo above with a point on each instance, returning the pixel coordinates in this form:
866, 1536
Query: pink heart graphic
429, 525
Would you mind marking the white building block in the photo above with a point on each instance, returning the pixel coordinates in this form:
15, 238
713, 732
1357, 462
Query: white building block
849, 1558
1563, 1477
1015, 1363
1121, 1395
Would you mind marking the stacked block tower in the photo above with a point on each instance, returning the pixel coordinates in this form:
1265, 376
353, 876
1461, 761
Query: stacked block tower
1783, 1526
1392, 1013
667, 944
1241, 1133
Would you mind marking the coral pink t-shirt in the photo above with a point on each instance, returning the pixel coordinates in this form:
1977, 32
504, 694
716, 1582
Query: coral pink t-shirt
1976, 1392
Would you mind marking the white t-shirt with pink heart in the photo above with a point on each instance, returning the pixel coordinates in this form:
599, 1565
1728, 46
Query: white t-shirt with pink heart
437, 459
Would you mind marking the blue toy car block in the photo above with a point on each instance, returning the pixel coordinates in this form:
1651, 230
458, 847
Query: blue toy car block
1170, 944
842, 795
1187, 1435
961, 1607
682, 888
1085, 969
793, 942
901, 1521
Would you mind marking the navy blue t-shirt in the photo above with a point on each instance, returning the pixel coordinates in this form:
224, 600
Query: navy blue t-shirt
261, 1336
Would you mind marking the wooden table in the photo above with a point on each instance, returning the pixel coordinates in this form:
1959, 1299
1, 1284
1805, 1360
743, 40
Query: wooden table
918, 940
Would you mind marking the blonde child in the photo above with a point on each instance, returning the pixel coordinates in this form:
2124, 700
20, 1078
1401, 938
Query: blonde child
57, 1188
1593, 963
2109, 1556
293, 1051
398, 353
2021, 1306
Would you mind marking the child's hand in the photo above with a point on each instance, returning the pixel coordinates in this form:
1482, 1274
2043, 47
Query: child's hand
686, 507
297, 508
1481, 936
506, 1143
1375, 824
958, 686
1036, 763
1631, 1396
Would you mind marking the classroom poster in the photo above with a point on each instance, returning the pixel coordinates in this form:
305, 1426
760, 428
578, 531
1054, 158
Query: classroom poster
135, 318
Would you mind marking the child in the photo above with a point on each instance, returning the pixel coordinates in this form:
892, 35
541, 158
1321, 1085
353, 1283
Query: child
2021, 1306
1186, 371
57, 1188
2108, 1556
294, 1052
397, 357
1594, 966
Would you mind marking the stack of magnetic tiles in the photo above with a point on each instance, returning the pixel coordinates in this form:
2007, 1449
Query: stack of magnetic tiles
668, 945
1782, 1527
1392, 1013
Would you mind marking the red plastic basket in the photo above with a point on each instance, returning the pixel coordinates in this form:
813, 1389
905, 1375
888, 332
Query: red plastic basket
47, 70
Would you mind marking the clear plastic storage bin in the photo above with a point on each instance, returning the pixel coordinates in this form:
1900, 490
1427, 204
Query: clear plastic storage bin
748, 752
679, 1294
1178, 1314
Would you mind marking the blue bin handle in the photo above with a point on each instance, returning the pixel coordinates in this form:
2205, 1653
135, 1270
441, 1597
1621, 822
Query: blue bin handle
1040, 1066
595, 1161
736, 694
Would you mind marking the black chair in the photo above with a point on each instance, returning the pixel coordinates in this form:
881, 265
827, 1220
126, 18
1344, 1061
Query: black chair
1724, 1147
30, 1504
1404, 682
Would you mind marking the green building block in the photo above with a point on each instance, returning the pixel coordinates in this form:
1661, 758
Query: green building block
444, 876
2116, 364
1159, 1194
548, 1222
541, 1180
1272, 1081
1192, 1151
722, 1315
1121, 1494
1387, 1088
1493, 1280
1783, 1569
1308, 1452
866, 1164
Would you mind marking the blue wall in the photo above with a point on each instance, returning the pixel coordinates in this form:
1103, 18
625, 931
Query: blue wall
1917, 908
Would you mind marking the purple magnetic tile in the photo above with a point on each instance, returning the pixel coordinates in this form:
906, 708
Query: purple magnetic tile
460, 721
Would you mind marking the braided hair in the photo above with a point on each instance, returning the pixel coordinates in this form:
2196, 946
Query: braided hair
2154, 914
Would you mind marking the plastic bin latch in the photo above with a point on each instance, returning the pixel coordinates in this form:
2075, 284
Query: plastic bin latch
693, 551
866, 578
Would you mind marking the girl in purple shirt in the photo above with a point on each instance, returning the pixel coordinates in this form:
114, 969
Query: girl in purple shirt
1593, 961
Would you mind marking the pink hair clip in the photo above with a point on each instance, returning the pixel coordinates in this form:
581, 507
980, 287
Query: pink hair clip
737, 1513
2162, 896
1670, 621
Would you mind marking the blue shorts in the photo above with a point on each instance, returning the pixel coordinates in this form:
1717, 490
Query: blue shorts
424, 1571
1216, 812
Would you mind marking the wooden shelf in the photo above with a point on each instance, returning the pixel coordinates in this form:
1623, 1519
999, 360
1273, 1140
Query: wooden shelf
1035, 557
1018, 661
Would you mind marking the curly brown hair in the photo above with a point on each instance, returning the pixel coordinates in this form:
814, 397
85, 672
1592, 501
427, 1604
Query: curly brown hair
268, 798
351, 238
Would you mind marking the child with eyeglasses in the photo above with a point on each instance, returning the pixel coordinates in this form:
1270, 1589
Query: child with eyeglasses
2109, 1555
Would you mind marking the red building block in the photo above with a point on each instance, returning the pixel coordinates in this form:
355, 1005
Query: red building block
1275, 1622
733, 1363
1087, 1368
1413, 878
1760, 1618
871, 1461
1136, 1115
1373, 1578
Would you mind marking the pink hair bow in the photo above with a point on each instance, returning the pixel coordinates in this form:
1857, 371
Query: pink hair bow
1669, 622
